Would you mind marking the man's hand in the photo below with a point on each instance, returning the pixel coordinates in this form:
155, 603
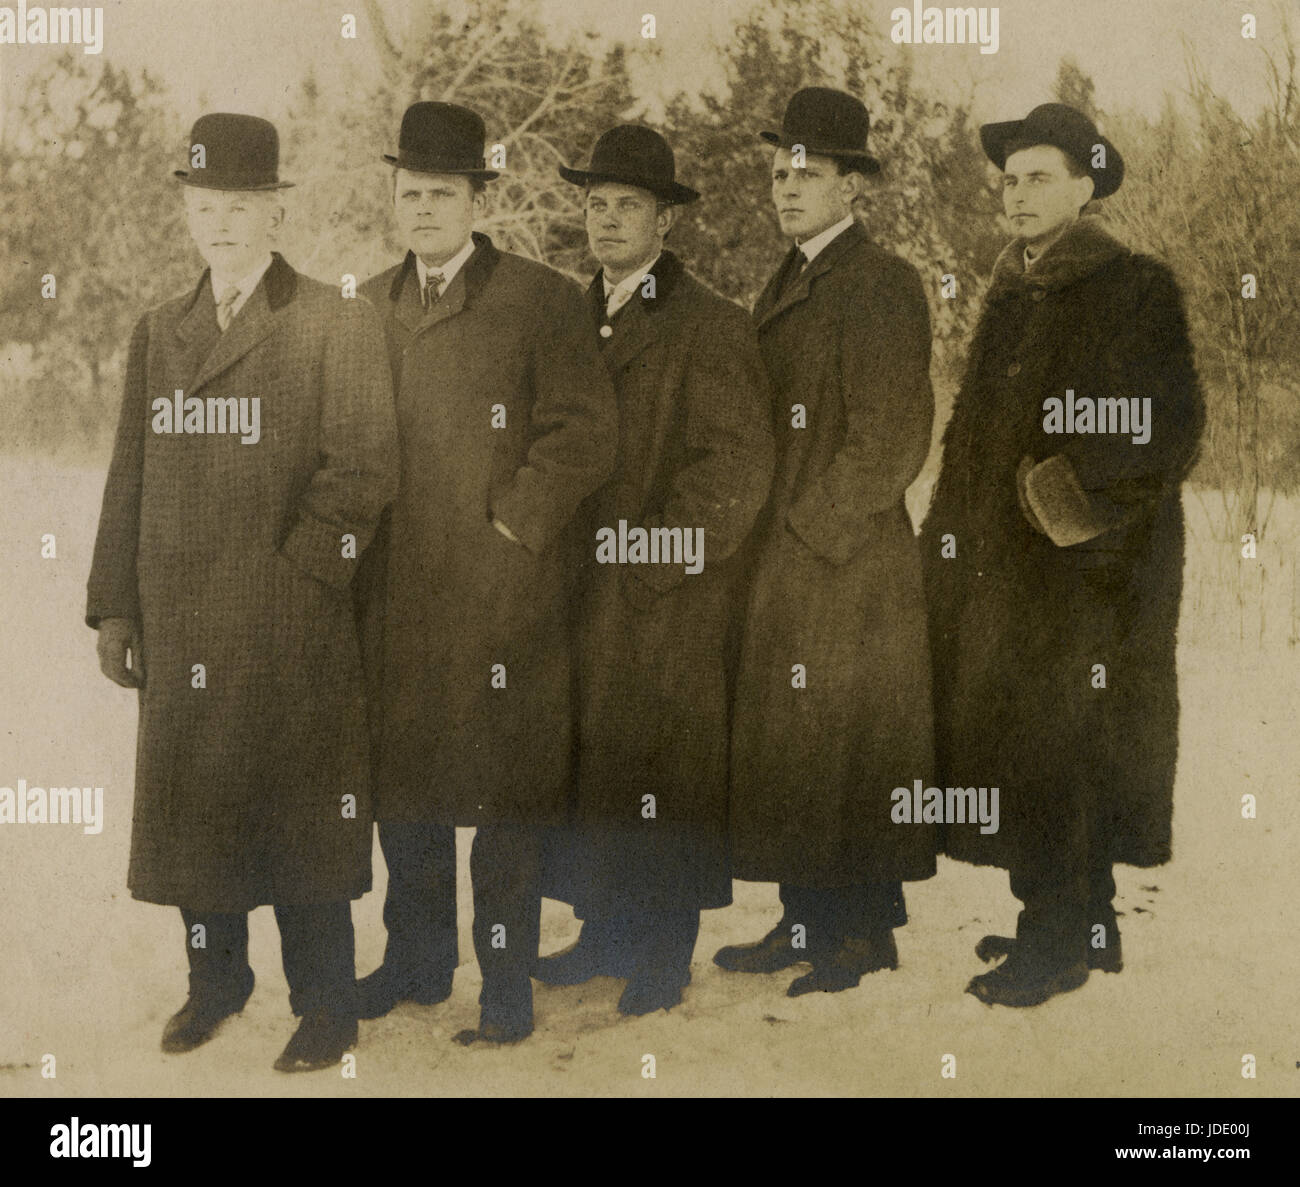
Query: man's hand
119, 638
1022, 473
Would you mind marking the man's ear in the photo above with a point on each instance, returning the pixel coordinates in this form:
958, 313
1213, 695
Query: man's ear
480, 203
1086, 187
665, 220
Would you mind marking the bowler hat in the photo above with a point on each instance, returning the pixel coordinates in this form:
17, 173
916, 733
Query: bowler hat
633, 155
233, 152
827, 123
1062, 127
441, 138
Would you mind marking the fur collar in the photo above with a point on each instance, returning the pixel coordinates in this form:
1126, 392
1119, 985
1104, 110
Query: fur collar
1084, 247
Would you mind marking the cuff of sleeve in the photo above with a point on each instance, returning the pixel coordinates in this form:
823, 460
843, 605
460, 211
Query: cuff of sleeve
1061, 505
97, 614
316, 548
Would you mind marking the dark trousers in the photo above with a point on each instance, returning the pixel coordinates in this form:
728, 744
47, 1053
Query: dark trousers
1066, 893
317, 947
842, 913
420, 907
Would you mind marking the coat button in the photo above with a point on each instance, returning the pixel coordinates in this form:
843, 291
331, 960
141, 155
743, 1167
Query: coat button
1013, 370
607, 331
1037, 294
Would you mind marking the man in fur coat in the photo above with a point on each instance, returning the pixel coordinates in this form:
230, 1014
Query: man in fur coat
1053, 553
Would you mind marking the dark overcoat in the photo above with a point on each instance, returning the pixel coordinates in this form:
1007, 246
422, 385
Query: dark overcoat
234, 556
504, 411
837, 588
695, 451
1019, 623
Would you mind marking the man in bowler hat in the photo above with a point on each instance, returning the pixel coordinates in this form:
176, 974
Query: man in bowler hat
506, 422
695, 456
1054, 555
254, 453
833, 697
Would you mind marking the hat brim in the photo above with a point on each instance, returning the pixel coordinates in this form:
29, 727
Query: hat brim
675, 192
228, 185
994, 139
398, 163
863, 160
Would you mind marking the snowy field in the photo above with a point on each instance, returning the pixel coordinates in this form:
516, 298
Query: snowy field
1211, 973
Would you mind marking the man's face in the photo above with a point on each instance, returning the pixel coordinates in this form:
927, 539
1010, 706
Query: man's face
624, 226
435, 213
1039, 195
233, 229
810, 199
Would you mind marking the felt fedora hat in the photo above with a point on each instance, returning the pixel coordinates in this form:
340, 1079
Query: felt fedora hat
441, 138
1062, 127
634, 155
828, 123
233, 152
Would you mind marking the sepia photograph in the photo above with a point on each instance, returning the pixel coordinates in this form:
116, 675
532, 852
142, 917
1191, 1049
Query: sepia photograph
568, 548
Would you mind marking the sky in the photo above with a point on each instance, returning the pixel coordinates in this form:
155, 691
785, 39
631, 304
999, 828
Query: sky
248, 54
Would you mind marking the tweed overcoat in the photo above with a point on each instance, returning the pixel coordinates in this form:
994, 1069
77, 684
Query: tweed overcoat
1021, 625
695, 451
818, 750
504, 411
235, 557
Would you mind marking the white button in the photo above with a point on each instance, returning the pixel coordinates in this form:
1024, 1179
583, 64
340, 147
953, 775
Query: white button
607, 331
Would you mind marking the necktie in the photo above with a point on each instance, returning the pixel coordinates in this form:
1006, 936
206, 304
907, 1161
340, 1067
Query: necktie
432, 288
226, 307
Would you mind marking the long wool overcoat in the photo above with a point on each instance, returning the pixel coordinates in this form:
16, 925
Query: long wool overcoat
695, 452
504, 411
234, 556
837, 590
1021, 626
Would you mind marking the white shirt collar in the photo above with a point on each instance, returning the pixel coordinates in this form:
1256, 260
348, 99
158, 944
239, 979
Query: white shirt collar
813, 247
630, 282
246, 285
449, 269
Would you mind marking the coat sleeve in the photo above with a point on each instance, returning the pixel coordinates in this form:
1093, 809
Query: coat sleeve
112, 590
573, 426
1105, 479
888, 410
357, 476
729, 449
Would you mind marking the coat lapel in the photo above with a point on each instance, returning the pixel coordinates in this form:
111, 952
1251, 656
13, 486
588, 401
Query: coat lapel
258, 318
460, 294
638, 325
197, 331
405, 295
800, 289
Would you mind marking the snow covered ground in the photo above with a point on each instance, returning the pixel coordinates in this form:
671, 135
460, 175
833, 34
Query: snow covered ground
90, 976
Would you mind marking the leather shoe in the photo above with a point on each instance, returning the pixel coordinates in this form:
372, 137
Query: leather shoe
385, 988
645, 995
1022, 983
197, 1021
319, 1042
1098, 960
846, 966
771, 954
500, 1024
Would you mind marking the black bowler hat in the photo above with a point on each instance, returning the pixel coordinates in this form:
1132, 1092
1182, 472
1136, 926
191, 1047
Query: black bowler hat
442, 138
1062, 127
240, 152
633, 155
827, 123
